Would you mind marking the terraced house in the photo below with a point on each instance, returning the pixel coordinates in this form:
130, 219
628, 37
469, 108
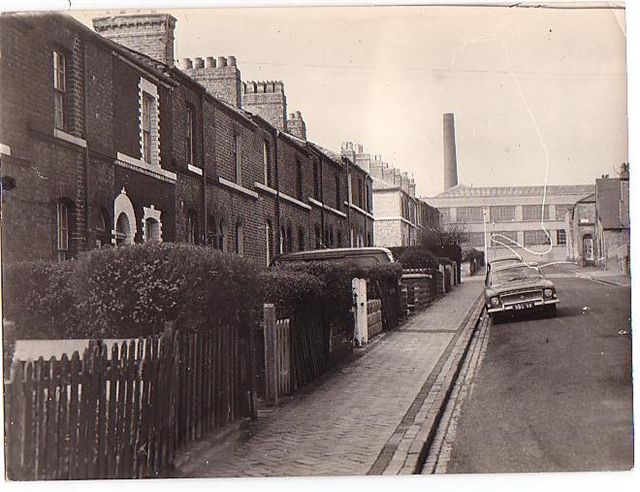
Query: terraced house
109, 142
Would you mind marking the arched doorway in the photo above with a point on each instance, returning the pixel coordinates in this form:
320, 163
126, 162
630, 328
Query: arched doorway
123, 230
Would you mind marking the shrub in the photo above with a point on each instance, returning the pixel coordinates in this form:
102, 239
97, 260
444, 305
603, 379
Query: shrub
39, 296
418, 257
130, 291
473, 254
290, 290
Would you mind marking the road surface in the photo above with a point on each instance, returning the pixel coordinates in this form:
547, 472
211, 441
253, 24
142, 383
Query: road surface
550, 394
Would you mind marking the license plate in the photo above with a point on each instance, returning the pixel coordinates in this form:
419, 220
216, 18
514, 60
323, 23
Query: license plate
523, 305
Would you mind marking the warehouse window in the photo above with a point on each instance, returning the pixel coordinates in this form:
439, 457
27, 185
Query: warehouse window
474, 239
536, 238
59, 90
503, 214
501, 239
535, 212
470, 214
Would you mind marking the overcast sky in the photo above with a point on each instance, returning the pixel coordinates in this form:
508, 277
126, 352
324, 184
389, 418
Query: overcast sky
523, 83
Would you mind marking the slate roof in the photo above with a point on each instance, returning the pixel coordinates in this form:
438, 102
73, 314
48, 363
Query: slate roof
463, 190
609, 193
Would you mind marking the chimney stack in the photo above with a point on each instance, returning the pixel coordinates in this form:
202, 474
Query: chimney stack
296, 125
450, 160
220, 76
266, 99
149, 34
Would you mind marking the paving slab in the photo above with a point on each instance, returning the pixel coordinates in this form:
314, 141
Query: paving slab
349, 421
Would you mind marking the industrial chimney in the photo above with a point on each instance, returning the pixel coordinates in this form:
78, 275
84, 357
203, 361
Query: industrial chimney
450, 160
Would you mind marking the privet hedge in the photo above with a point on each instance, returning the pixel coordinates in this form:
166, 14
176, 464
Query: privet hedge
131, 291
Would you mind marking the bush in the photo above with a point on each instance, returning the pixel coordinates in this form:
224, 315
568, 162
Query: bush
39, 296
131, 291
473, 254
418, 257
290, 290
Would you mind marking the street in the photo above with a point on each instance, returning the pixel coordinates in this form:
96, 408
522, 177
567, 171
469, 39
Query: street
549, 394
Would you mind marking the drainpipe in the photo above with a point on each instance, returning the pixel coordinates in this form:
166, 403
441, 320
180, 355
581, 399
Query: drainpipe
204, 172
322, 229
275, 150
87, 215
347, 164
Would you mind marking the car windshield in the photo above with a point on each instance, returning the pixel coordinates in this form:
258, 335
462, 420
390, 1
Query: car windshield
514, 274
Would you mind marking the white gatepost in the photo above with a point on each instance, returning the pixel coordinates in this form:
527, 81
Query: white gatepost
361, 331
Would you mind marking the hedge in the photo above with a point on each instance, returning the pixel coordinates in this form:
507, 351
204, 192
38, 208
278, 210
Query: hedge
418, 257
131, 291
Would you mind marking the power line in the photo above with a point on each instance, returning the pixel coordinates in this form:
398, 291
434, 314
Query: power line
435, 70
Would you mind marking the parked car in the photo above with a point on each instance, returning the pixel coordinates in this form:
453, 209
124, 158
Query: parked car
359, 256
506, 260
520, 287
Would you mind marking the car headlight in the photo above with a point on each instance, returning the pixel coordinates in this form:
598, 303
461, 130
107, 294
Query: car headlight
495, 301
548, 293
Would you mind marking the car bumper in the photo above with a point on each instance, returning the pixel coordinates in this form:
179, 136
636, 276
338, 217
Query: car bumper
512, 307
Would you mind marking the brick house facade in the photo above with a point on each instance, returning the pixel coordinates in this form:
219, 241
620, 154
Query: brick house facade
108, 145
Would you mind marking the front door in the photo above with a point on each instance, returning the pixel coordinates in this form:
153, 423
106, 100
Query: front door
587, 249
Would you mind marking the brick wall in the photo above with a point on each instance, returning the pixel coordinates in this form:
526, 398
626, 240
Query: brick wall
104, 119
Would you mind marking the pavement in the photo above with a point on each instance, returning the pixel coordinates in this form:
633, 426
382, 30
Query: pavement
548, 395
375, 415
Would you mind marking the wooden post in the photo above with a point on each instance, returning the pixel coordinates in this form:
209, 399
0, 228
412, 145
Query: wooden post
270, 355
359, 286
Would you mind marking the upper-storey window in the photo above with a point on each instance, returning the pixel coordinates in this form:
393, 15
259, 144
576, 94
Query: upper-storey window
147, 124
266, 160
338, 198
149, 118
316, 180
502, 213
237, 159
298, 189
535, 212
60, 90
470, 214
190, 134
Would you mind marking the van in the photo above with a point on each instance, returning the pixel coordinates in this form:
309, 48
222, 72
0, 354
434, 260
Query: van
359, 256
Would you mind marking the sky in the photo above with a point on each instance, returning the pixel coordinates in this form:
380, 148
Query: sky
539, 95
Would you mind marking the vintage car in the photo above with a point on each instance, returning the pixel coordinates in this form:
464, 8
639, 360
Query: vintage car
499, 262
518, 287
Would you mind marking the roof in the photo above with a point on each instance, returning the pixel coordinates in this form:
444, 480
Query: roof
609, 195
463, 190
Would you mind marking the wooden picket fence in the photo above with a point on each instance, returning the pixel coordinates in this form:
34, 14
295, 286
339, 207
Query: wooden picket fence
123, 413
283, 356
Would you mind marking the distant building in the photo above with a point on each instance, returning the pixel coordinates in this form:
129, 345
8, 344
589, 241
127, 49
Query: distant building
612, 227
399, 216
583, 248
514, 217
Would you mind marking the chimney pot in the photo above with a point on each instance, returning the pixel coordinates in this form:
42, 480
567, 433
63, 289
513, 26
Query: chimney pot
231, 61
187, 63
211, 62
222, 62
199, 62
